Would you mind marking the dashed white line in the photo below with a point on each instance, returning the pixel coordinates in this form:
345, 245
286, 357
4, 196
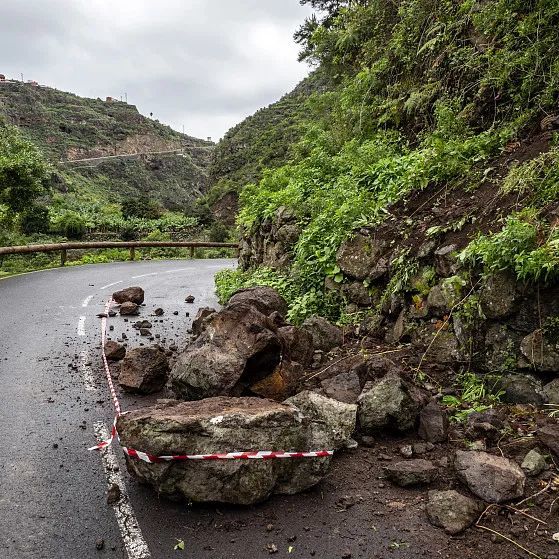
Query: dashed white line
81, 326
85, 370
145, 275
111, 284
87, 300
134, 542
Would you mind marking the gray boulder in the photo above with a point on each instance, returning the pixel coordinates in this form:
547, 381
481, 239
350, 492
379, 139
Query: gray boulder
358, 255
263, 298
433, 423
144, 370
338, 418
344, 387
129, 295
540, 352
325, 335
221, 425
494, 479
522, 389
411, 472
389, 403
452, 511
499, 296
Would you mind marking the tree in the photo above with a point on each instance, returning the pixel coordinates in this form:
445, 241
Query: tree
141, 207
24, 174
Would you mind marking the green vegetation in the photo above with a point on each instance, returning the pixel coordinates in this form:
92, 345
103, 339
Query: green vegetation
426, 95
472, 395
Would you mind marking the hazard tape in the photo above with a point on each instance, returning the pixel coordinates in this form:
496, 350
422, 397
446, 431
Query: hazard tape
150, 458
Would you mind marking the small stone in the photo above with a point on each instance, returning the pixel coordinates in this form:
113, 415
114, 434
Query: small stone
159, 312
534, 463
269, 527
99, 544
145, 332
272, 548
452, 511
433, 423
176, 313
189, 299
406, 451
113, 494
129, 309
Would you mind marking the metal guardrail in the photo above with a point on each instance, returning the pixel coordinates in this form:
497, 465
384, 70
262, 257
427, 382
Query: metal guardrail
63, 248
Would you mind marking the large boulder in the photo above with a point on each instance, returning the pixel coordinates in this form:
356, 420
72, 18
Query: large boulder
338, 418
540, 352
238, 347
129, 295
297, 344
389, 403
494, 479
344, 387
499, 296
222, 425
522, 389
263, 298
358, 255
144, 370
201, 320
452, 511
325, 335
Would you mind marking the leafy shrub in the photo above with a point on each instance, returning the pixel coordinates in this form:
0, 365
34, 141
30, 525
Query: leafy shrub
71, 225
35, 220
218, 232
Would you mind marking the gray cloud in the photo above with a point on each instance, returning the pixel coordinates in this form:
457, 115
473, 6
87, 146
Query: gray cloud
204, 64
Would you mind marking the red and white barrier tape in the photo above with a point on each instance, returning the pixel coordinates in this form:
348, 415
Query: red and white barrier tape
151, 459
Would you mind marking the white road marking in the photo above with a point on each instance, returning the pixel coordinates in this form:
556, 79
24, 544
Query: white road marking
81, 326
111, 284
85, 370
134, 542
145, 275
87, 300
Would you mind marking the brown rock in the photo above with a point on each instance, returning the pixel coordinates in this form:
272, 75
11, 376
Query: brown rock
264, 299
411, 472
114, 351
452, 511
433, 423
130, 294
144, 370
129, 309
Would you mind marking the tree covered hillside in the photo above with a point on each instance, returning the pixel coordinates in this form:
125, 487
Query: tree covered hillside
433, 101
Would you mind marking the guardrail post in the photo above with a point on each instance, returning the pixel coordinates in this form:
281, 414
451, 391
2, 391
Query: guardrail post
132, 253
191, 252
63, 256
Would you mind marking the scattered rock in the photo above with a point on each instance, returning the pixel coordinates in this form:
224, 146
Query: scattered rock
494, 479
159, 312
99, 544
445, 260
142, 324
144, 370
325, 335
114, 351
389, 403
452, 511
548, 435
411, 472
129, 295
265, 299
129, 309
433, 423
189, 299
337, 417
220, 425
344, 387
113, 494
145, 332
534, 463
499, 296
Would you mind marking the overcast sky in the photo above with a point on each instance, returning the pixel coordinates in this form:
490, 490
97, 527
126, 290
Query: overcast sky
204, 64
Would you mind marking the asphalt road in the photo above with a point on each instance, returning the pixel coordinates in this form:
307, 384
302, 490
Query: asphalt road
52, 398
